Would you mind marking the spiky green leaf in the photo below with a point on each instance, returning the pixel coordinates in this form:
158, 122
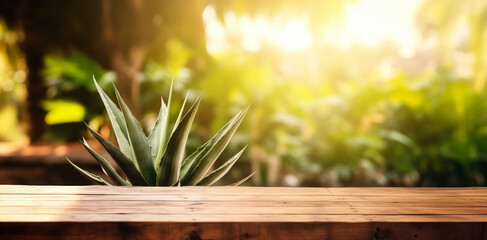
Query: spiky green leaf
170, 164
166, 131
155, 137
139, 142
189, 164
206, 161
117, 120
121, 159
181, 111
243, 180
89, 175
107, 168
221, 171
188, 161
163, 132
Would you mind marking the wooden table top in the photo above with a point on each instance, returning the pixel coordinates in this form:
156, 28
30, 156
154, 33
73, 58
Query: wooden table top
19, 203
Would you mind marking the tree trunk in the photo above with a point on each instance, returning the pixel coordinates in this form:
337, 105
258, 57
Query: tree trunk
34, 57
126, 61
129, 87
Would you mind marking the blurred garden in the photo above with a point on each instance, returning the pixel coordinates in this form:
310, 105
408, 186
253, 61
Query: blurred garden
341, 93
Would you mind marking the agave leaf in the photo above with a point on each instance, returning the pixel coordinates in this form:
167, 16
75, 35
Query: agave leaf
243, 180
221, 171
189, 163
121, 159
107, 168
156, 135
117, 120
140, 145
170, 164
89, 175
180, 113
166, 133
163, 133
204, 163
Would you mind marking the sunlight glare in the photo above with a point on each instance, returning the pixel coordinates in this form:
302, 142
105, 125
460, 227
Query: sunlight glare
370, 22
367, 23
289, 35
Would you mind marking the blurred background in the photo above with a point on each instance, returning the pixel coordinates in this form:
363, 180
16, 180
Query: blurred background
342, 92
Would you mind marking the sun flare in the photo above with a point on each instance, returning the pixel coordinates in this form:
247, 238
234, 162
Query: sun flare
366, 23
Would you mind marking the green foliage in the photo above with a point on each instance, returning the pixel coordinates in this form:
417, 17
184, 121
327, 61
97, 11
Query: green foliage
327, 117
158, 160
406, 130
63, 111
426, 132
70, 92
78, 68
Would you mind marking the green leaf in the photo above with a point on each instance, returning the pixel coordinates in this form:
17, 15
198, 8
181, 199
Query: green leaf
156, 135
170, 164
242, 181
180, 113
165, 127
189, 163
63, 111
89, 175
117, 120
121, 159
221, 171
117, 179
206, 161
139, 142
164, 132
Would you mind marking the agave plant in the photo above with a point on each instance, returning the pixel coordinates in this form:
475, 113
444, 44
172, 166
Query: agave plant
158, 160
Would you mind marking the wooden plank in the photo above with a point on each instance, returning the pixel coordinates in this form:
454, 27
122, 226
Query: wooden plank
401, 190
224, 200
305, 191
245, 210
194, 217
97, 212
49, 153
361, 204
243, 198
400, 204
217, 201
280, 231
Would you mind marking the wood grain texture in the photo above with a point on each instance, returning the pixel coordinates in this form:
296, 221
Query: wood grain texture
224, 230
99, 212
